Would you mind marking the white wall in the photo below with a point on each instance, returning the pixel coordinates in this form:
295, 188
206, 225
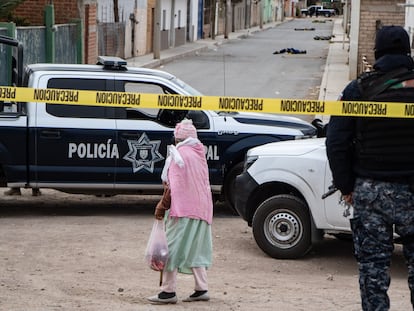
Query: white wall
194, 20
106, 10
179, 19
165, 17
409, 19
180, 14
127, 7
279, 10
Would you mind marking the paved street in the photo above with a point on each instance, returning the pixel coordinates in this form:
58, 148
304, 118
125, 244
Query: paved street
247, 66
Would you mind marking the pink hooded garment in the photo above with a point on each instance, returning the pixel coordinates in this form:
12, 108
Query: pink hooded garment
188, 178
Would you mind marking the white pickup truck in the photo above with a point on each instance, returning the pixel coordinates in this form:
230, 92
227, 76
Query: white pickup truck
279, 194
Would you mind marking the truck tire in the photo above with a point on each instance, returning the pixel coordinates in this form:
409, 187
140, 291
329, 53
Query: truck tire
282, 227
230, 187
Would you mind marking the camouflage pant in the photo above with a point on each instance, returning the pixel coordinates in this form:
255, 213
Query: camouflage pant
377, 207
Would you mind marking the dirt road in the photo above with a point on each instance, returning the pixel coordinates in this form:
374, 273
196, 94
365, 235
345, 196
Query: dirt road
68, 252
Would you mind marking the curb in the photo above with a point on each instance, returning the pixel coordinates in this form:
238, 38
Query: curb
159, 62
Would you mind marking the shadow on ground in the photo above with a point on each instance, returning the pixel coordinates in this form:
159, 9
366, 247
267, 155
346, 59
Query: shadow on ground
61, 204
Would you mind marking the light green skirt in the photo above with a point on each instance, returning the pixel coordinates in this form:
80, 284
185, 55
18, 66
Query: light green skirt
189, 244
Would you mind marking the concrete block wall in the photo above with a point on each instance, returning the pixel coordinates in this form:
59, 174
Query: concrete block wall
372, 12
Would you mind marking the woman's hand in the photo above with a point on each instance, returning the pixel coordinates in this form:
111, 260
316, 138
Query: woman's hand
159, 212
164, 203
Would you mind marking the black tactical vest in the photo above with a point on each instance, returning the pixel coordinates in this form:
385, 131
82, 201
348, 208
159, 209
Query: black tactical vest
386, 144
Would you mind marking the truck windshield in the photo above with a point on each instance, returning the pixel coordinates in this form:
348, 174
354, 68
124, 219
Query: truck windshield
186, 87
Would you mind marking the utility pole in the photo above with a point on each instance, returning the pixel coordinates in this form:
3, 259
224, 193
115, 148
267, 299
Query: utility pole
157, 30
261, 14
213, 19
227, 20
116, 11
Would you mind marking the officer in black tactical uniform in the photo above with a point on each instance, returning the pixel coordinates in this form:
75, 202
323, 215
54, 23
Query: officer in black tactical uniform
372, 163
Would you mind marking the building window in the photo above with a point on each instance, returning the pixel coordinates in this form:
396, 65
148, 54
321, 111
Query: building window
164, 19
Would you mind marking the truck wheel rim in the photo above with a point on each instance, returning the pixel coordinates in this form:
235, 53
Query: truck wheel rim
283, 229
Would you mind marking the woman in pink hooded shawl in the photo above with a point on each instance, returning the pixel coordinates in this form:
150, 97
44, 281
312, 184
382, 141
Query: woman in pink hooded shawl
188, 199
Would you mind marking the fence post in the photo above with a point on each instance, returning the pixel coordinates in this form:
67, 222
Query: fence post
79, 41
50, 33
11, 29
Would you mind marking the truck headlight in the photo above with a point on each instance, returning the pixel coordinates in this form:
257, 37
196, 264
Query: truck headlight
304, 136
249, 160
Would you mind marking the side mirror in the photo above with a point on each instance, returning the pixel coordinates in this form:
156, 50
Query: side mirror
320, 127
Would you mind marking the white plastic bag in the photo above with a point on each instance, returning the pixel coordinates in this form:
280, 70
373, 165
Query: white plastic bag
156, 254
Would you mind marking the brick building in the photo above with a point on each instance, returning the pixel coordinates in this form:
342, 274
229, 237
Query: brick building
366, 17
33, 11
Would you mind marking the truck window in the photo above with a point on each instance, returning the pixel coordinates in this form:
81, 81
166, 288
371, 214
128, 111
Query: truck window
140, 87
165, 116
78, 111
4, 74
11, 63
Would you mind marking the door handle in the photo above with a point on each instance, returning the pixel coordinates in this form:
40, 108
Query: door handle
129, 135
50, 134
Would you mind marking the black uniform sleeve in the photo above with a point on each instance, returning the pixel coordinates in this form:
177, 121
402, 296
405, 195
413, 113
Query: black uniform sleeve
339, 144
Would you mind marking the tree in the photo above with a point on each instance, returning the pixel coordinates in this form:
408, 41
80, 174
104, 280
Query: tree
7, 6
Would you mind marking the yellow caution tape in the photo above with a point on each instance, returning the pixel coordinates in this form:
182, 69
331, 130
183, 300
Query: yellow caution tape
218, 103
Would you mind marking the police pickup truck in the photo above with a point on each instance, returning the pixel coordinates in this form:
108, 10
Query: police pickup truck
318, 10
118, 150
